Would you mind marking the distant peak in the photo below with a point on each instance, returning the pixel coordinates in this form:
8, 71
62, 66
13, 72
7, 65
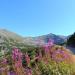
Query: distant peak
51, 34
3, 29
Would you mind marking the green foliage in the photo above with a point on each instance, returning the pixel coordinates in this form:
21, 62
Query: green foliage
55, 69
43, 68
31, 53
71, 40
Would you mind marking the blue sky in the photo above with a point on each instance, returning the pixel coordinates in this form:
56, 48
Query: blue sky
38, 17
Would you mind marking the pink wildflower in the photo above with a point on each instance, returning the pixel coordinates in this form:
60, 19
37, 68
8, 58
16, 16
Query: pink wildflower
27, 58
28, 71
59, 55
17, 57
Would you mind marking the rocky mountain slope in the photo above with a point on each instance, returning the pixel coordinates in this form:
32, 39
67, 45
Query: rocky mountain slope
9, 36
58, 39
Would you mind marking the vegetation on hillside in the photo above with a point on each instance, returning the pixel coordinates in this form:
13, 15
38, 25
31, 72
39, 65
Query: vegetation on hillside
49, 59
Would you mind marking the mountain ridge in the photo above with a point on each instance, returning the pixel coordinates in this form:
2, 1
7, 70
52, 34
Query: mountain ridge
10, 39
31, 40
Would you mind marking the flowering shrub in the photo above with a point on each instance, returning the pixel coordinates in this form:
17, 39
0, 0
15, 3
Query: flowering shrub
60, 55
47, 60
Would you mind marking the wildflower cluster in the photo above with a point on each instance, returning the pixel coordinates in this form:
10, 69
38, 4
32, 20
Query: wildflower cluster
49, 59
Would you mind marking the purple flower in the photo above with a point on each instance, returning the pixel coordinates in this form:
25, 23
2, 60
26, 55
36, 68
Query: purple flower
11, 73
17, 57
48, 45
59, 55
51, 42
28, 71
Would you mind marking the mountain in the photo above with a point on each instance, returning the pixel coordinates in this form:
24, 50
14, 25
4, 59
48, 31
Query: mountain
9, 39
13, 38
8, 34
58, 39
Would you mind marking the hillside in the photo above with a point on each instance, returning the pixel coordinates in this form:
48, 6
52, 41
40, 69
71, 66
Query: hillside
9, 36
58, 39
24, 57
9, 39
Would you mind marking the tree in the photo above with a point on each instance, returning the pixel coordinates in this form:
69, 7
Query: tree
71, 40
